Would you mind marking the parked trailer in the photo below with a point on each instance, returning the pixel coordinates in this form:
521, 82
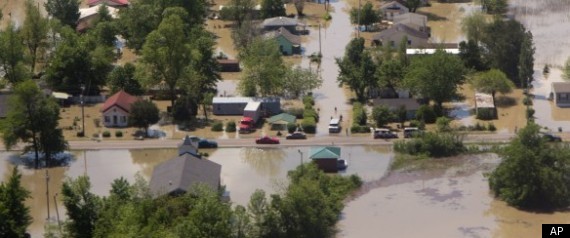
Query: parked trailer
253, 111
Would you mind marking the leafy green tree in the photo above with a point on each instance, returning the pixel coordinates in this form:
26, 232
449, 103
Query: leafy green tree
66, 11
12, 55
413, 5
82, 207
136, 22
382, 115
473, 26
494, 6
491, 82
357, 69
402, 52
502, 46
532, 174
143, 114
14, 214
426, 114
368, 15
443, 124
272, 8
245, 34
264, 69
471, 55
34, 32
32, 119
123, 78
390, 75
299, 80
566, 69
526, 60
241, 10
435, 77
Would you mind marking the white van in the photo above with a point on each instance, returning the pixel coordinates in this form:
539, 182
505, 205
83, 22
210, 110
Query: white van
334, 125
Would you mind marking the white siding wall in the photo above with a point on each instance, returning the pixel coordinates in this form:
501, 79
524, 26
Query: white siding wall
115, 117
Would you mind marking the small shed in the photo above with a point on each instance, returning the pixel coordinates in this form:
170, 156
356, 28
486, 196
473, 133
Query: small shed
326, 158
229, 65
394, 104
229, 105
485, 106
177, 175
561, 94
280, 122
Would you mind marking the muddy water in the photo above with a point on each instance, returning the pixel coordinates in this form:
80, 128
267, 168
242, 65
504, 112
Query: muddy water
243, 171
449, 202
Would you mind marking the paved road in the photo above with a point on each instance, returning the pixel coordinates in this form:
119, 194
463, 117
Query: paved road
237, 143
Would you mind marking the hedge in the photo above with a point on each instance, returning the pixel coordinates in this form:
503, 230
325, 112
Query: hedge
309, 125
231, 126
217, 126
359, 114
359, 129
106, 134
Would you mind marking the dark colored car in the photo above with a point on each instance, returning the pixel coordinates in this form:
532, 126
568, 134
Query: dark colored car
204, 143
551, 138
267, 140
296, 135
341, 164
384, 134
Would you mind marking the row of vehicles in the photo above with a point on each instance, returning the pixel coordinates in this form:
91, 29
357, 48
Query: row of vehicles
383, 133
297, 135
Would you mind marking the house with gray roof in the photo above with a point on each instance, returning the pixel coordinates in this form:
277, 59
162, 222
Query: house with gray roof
391, 9
288, 43
413, 20
274, 23
561, 93
394, 35
177, 175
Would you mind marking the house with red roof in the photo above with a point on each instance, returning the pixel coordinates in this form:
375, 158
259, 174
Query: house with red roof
117, 108
112, 3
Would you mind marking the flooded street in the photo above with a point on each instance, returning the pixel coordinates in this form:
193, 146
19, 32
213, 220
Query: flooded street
334, 39
450, 200
243, 171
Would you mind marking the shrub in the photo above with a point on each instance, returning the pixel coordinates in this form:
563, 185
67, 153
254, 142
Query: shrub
443, 124
308, 100
231, 126
486, 114
359, 129
419, 124
327, 16
478, 127
491, 127
311, 113
217, 126
432, 144
359, 114
527, 101
106, 134
529, 113
426, 114
382, 115
309, 125
296, 111
291, 127
118, 134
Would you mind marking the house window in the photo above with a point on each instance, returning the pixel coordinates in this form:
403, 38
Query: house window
107, 119
123, 119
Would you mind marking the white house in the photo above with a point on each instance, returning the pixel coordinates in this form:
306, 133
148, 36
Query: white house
391, 9
117, 108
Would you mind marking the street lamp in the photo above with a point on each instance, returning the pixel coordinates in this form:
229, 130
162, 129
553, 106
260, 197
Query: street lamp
82, 110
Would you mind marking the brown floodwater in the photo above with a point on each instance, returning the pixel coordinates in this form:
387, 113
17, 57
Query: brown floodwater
450, 200
243, 171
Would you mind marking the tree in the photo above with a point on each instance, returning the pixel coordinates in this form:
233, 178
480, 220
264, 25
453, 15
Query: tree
14, 214
367, 15
12, 55
81, 205
66, 11
566, 69
471, 55
413, 5
33, 119
136, 22
382, 115
34, 32
532, 174
494, 6
123, 78
435, 77
143, 114
390, 75
241, 10
272, 8
526, 60
299, 80
264, 69
167, 54
473, 26
357, 69
491, 82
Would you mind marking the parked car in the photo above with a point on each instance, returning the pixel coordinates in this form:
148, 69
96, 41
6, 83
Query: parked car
204, 143
296, 135
341, 164
384, 134
334, 126
550, 137
410, 132
267, 140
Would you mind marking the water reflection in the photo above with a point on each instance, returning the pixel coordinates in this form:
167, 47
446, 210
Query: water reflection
266, 162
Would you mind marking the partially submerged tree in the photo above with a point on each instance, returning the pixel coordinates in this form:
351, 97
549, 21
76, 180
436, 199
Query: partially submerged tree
492, 82
123, 78
143, 114
34, 32
272, 8
12, 55
473, 26
357, 70
264, 69
299, 80
382, 115
368, 15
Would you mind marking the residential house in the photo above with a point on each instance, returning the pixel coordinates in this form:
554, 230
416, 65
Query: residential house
87, 16
116, 109
414, 21
394, 104
288, 43
236, 105
177, 175
561, 94
274, 23
4, 105
326, 158
393, 8
229, 65
112, 3
394, 35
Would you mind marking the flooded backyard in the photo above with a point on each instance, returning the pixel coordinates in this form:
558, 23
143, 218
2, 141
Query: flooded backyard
243, 171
